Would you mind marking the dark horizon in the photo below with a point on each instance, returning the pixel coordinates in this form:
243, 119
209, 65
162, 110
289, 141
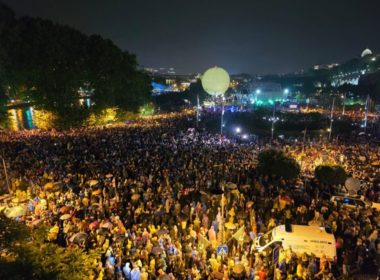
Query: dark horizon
246, 36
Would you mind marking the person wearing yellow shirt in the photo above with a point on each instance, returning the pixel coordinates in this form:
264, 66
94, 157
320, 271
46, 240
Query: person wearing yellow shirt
282, 254
271, 224
152, 266
144, 275
129, 245
85, 201
300, 270
214, 263
230, 264
53, 233
101, 274
152, 229
106, 245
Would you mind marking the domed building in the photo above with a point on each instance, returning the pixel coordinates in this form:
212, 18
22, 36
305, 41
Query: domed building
366, 52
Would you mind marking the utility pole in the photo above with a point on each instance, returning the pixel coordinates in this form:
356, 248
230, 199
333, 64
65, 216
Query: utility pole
304, 134
197, 109
221, 117
344, 104
273, 120
331, 118
366, 114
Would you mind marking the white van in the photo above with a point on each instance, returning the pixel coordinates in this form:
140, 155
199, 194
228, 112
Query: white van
354, 201
300, 239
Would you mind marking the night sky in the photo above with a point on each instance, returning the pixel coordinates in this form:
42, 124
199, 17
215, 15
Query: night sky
252, 36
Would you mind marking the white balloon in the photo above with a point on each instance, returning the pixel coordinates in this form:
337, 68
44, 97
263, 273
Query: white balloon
215, 81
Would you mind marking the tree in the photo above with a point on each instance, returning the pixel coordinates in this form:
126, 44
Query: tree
114, 76
308, 88
47, 64
330, 174
276, 163
370, 84
3, 103
176, 101
6, 19
25, 255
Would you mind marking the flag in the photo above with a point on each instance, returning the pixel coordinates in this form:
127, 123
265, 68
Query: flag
203, 243
239, 235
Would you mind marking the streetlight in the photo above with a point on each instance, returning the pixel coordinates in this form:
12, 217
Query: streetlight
304, 134
344, 103
331, 118
307, 104
366, 114
198, 107
273, 119
258, 91
238, 130
222, 116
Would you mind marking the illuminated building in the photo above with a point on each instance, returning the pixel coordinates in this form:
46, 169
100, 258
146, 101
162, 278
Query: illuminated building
351, 71
167, 83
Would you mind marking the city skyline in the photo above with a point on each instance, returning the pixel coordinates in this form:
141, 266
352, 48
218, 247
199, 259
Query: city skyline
254, 37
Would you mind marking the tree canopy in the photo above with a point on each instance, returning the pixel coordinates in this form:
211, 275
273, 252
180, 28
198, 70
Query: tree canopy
174, 101
22, 259
50, 64
330, 174
276, 163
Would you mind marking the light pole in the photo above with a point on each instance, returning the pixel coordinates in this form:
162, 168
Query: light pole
273, 121
257, 92
331, 118
221, 117
286, 93
344, 103
304, 134
197, 109
366, 114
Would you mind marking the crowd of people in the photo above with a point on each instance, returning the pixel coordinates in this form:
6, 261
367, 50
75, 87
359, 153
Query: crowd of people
148, 194
362, 161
